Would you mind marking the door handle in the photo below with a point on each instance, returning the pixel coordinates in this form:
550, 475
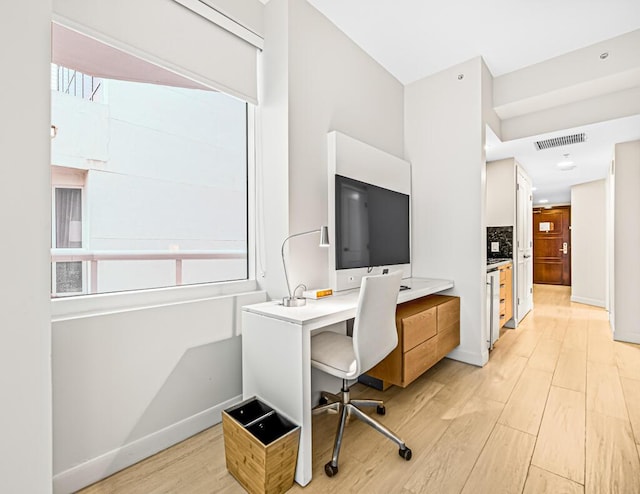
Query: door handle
564, 248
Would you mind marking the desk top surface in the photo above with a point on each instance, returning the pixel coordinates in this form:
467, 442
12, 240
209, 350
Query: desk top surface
342, 305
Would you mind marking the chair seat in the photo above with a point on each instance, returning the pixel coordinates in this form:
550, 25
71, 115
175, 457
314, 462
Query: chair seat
333, 353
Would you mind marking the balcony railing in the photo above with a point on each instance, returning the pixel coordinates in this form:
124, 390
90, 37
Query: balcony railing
95, 256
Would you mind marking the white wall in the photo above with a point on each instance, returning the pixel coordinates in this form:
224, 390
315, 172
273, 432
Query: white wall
25, 338
626, 238
272, 163
130, 383
444, 131
501, 193
331, 85
589, 276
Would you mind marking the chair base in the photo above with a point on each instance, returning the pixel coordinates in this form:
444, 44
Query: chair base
345, 406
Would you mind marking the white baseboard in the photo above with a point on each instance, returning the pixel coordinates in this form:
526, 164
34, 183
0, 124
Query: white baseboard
627, 337
107, 464
467, 357
588, 301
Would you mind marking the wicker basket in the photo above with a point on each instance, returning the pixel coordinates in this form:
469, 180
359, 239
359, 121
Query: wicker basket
260, 446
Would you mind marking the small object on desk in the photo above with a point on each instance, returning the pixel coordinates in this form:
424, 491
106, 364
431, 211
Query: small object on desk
294, 301
404, 287
319, 293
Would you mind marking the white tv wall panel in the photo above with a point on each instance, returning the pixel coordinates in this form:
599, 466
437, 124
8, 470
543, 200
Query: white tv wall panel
360, 161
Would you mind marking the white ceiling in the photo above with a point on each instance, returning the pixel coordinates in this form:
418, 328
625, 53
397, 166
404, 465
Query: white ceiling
591, 158
416, 38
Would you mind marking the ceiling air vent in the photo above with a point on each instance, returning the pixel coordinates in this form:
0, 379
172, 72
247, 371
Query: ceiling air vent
560, 141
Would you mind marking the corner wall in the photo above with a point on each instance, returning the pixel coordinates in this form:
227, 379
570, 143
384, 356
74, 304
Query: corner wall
332, 85
25, 330
589, 243
626, 241
445, 144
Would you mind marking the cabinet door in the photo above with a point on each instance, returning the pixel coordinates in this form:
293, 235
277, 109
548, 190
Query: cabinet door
524, 236
509, 293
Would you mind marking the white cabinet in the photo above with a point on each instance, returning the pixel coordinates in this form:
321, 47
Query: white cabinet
524, 244
509, 203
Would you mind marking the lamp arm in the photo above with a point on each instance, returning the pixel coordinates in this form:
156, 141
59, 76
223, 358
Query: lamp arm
284, 264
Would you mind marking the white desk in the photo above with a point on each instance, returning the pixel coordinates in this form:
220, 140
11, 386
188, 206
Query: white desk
276, 353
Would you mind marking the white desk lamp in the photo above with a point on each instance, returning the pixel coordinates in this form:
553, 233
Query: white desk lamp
292, 300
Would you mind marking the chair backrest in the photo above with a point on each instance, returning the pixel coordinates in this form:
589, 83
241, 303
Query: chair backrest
374, 329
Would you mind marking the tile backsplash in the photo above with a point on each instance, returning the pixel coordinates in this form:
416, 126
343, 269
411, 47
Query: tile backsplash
503, 235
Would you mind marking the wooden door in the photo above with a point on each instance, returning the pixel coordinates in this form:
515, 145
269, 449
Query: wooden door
552, 245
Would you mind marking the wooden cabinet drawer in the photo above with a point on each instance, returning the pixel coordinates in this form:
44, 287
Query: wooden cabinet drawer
428, 329
418, 328
419, 359
448, 339
449, 312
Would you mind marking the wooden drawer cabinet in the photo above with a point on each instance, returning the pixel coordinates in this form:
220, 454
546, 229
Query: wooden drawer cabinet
506, 293
428, 329
447, 340
418, 328
419, 359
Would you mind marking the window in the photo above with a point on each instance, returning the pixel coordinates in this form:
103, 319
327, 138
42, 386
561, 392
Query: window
68, 276
159, 196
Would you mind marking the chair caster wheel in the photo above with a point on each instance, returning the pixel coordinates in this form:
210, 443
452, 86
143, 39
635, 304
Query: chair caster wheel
405, 453
323, 401
330, 470
381, 410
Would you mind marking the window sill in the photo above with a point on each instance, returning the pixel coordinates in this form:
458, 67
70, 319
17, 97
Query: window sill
109, 303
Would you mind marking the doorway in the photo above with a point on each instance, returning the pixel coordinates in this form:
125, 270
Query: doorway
552, 245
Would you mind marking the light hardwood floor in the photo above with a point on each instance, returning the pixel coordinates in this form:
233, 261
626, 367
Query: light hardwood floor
556, 410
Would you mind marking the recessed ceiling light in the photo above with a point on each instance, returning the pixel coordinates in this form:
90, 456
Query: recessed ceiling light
566, 165
543, 201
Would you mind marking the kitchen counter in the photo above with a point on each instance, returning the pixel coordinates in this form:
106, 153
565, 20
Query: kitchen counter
497, 263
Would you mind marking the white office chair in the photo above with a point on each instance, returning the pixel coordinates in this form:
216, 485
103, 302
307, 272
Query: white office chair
374, 336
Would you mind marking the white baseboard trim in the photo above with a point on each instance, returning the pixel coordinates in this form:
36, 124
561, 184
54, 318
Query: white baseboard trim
467, 357
627, 337
102, 466
588, 301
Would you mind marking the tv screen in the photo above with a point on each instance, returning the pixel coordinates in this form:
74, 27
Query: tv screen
372, 225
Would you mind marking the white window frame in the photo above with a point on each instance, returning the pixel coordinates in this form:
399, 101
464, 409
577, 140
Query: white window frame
85, 276
65, 308
83, 305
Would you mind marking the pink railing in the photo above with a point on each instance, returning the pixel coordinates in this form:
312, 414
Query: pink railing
93, 257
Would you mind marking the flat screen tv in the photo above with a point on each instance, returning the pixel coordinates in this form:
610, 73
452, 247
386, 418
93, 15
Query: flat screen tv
372, 225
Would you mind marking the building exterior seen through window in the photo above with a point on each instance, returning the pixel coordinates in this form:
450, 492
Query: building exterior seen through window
67, 229
149, 184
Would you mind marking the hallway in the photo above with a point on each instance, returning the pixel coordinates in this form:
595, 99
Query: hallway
556, 409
